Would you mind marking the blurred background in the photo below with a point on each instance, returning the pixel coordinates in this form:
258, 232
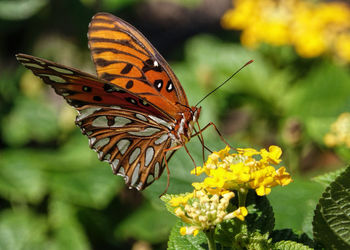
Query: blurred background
55, 194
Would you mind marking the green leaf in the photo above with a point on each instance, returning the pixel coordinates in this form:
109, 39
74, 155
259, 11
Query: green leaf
21, 229
327, 178
293, 203
289, 235
332, 215
227, 231
29, 120
21, 178
93, 187
319, 98
67, 230
288, 245
20, 9
188, 242
260, 214
150, 223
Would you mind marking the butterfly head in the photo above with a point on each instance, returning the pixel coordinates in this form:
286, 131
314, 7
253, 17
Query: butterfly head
190, 117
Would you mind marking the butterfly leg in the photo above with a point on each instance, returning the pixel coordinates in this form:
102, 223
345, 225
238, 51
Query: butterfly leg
167, 167
168, 177
217, 130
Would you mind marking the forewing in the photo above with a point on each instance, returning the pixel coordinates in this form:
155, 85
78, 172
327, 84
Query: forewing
123, 56
80, 88
133, 143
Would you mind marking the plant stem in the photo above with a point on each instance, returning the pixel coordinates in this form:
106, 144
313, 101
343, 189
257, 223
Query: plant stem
211, 239
242, 195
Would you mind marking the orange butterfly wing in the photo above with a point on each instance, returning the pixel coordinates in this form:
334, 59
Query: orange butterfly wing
123, 56
80, 88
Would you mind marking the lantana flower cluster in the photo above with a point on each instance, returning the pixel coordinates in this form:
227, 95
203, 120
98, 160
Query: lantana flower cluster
246, 169
313, 28
203, 211
228, 174
339, 133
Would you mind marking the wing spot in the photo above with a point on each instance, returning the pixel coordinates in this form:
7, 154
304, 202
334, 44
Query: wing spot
158, 84
169, 86
107, 157
61, 70
134, 155
123, 145
160, 121
131, 100
149, 156
92, 141
120, 122
126, 69
156, 170
144, 102
97, 98
146, 132
83, 113
33, 65
115, 165
135, 175
150, 179
54, 78
86, 89
101, 143
161, 139
141, 117
129, 84
100, 122
111, 88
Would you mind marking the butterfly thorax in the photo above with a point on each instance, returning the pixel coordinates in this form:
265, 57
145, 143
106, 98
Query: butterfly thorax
184, 126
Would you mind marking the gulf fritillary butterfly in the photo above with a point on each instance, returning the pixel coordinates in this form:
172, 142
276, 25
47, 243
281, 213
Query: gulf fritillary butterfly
135, 112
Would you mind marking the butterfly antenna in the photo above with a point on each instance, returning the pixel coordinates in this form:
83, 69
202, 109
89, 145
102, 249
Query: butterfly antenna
224, 82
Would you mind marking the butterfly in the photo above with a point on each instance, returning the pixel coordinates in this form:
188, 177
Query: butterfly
135, 112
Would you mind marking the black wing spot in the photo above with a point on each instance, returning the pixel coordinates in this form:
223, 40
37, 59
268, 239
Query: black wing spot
86, 89
131, 100
126, 69
109, 88
170, 86
110, 120
158, 84
149, 65
97, 98
102, 62
143, 102
129, 84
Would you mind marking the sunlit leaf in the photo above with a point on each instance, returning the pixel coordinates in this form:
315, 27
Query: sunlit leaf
20, 9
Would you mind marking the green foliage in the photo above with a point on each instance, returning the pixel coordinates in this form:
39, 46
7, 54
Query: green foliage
20, 9
178, 241
331, 221
327, 178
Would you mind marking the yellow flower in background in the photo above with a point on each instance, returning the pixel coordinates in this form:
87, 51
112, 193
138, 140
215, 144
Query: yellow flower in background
340, 132
246, 169
312, 28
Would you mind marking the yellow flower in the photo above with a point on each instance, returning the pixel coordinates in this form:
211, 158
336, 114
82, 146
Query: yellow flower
240, 213
340, 131
312, 28
203, 211
248, 168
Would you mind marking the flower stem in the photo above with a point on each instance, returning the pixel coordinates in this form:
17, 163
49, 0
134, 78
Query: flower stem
211, 239
242, 195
